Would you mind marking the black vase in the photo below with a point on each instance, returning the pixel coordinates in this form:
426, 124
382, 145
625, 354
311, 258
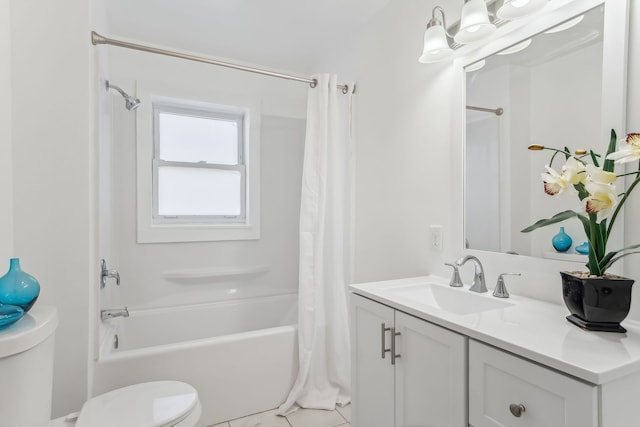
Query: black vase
597, 303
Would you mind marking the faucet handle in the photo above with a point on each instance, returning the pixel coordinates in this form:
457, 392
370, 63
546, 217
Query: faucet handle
456, 281
501, 290
106, 273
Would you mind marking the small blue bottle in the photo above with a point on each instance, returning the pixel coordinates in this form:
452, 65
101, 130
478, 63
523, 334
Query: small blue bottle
18, 288
583, 248
561, 241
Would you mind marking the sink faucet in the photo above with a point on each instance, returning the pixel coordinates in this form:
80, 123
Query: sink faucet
115, 312
478, 285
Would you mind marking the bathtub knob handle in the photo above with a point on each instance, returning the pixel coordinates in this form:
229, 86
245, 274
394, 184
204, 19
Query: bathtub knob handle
105, 274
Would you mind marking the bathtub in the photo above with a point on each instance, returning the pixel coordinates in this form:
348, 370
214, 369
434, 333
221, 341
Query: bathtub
241, 355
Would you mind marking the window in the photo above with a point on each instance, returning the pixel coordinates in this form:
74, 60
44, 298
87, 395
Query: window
197, 165
199, 173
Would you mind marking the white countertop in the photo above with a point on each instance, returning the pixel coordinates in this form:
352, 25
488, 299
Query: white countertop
529, 328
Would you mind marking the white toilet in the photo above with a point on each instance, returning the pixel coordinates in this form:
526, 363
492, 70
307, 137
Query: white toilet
26, 369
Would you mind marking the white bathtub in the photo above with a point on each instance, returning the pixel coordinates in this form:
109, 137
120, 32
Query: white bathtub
241, 355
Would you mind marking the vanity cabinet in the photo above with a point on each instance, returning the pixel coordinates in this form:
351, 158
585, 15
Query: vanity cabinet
406, 372
494, 368
505, 390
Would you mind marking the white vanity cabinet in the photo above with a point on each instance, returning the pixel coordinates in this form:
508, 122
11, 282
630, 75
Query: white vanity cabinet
505, 390
520, 365
406, 372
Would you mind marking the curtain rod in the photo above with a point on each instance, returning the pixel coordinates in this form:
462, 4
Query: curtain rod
97, 39
496, 111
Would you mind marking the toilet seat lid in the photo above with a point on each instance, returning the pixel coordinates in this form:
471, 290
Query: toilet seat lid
152, 404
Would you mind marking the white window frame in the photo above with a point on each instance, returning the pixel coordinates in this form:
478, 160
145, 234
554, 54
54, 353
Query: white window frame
214, 113
152, 228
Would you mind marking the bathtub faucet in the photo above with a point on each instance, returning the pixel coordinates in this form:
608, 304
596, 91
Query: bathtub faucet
113, 312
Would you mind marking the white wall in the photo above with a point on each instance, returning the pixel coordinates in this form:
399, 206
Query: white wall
402, 134
6, 184
143, 267
52, 173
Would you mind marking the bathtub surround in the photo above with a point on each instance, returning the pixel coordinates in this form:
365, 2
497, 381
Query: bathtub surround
170, 274
323, 333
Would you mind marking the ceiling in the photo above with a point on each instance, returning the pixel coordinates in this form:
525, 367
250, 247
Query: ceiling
288, 35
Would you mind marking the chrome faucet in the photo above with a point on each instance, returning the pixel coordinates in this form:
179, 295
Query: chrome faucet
500, 290
456, 281
478, 285
106, 273
113, 312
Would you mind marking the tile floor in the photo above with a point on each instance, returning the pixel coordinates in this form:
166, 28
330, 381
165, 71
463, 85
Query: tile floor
300, 418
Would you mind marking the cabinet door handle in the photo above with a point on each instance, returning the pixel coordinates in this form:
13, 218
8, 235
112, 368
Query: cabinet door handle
517, 409
394, 356
383, 334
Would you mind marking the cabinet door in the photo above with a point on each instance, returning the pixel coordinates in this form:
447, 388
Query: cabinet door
498, 380
372, 376
431, 375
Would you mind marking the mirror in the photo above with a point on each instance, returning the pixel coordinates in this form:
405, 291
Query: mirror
545, 90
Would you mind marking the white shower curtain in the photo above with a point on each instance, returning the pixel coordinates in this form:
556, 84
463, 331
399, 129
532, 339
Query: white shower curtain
323, 331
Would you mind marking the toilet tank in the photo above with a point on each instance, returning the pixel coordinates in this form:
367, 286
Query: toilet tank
26, 368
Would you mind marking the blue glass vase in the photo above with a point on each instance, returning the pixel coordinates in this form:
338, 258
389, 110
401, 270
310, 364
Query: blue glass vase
561, 241
18, 288
583, 248
9, 314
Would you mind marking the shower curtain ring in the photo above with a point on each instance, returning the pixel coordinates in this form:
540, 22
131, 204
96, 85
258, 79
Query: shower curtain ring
345, 89
313, 83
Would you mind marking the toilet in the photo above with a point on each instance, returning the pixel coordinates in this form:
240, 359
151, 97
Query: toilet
26, 369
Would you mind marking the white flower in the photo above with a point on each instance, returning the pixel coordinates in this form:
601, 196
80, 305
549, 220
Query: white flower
601, 200
554, 183
574, 171
628, 152
596, 174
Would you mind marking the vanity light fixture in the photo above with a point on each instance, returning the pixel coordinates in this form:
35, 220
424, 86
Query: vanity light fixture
436, 45
478, 20
474, 22
516, 9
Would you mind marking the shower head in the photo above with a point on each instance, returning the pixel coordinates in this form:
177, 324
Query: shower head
131, 103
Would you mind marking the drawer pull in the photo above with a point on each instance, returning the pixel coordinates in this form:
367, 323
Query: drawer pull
394, 355
383, 330
517, 409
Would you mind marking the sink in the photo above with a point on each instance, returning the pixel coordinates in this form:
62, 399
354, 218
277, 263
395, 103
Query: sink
454, 300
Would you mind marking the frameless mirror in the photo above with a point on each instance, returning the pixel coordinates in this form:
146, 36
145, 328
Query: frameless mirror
544, 90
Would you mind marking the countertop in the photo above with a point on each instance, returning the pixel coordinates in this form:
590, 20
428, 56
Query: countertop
529, 328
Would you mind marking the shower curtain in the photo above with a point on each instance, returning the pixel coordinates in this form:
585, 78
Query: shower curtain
323, 332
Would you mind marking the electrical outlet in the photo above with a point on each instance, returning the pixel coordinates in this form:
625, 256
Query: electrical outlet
436, 238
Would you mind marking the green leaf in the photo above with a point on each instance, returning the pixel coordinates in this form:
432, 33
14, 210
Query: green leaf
607, 260
585, 224
613, 260
553, 220
627, 248
594, 158
609, 164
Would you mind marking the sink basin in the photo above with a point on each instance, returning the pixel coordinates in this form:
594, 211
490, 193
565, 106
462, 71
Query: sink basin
454, 300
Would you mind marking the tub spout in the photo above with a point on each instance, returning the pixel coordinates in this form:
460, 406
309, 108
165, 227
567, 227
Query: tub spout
114, 312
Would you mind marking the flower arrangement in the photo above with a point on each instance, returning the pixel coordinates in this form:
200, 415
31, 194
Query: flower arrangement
595, 187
